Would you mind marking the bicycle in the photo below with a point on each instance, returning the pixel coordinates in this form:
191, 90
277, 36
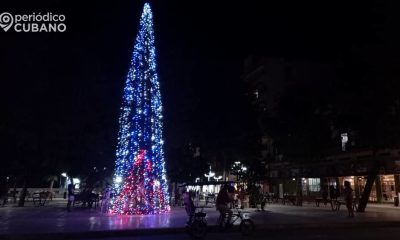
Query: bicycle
197, 224
246, 225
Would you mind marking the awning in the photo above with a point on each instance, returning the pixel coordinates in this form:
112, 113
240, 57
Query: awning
206, 183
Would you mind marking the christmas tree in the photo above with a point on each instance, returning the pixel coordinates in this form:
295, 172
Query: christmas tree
140, 185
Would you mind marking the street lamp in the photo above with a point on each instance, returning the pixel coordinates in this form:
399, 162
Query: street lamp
217, 178
64, 174
209, 175
238, 169
77, 181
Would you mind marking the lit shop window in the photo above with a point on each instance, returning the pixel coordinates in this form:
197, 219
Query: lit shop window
314, 184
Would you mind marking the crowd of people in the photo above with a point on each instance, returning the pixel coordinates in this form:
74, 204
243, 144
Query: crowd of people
228, 197
223, 202
87, 197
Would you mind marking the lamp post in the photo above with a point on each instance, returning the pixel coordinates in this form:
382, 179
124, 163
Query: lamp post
238, 169
208, 176
64, 174
217, 178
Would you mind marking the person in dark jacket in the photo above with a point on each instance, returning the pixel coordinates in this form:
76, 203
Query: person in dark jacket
71, 196
348, 197
223, 199
189, 205
332, 192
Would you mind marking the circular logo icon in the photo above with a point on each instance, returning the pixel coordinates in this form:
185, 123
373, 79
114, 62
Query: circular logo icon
6, 21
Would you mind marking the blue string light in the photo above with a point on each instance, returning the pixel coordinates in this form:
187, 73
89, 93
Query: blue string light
140, 184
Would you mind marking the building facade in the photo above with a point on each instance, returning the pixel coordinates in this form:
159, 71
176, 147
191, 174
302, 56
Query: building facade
267, 79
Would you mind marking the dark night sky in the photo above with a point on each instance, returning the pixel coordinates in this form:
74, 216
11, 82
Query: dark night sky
68, 86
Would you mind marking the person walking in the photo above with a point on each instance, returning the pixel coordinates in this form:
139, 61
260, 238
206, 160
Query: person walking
332, 192
189, 205
348, 197
71, 196
105, 200
241, 196
224, 198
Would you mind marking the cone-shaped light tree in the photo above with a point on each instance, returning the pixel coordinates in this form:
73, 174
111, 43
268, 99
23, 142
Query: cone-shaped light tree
140, 185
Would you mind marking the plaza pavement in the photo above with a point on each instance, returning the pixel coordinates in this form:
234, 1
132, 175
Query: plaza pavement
54, 222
